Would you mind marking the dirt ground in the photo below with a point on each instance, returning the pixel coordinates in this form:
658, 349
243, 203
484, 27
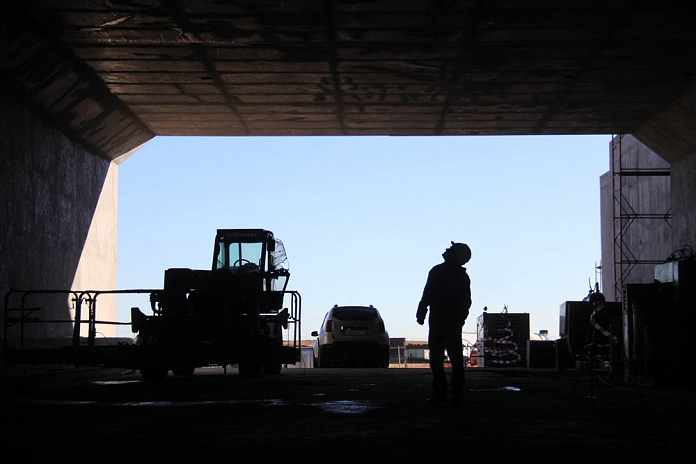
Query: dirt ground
345, 415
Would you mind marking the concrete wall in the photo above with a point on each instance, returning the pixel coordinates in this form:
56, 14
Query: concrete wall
645, 239
684, 202
607, 235
97, 265
57, 217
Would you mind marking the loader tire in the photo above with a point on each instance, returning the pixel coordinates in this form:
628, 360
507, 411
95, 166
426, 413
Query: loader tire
153, 374
250, 370
272, 368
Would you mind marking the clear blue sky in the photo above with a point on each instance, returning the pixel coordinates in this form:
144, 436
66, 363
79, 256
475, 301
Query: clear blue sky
363, 219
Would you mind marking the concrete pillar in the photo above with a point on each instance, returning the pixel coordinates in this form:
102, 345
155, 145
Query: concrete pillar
645, 233
671, 133
57, 219
97, 265
684, 202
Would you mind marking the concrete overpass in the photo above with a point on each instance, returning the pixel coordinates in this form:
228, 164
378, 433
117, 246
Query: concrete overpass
86, 82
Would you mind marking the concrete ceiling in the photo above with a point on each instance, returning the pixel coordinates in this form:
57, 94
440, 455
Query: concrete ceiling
113, 74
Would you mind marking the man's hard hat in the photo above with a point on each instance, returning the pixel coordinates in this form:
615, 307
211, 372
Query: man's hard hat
461, 251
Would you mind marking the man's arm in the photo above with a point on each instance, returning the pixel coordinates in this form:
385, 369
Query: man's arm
466, 299
422, 311
425, 300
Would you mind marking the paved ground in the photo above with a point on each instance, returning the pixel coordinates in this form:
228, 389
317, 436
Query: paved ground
340, 415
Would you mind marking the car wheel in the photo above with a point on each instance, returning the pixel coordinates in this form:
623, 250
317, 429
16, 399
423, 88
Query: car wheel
385, 362
183, 371
322, 360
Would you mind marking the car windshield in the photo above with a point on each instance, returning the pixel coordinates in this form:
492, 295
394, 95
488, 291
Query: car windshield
355, 314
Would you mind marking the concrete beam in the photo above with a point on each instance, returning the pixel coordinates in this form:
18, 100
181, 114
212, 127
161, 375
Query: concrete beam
61, 90
671, 133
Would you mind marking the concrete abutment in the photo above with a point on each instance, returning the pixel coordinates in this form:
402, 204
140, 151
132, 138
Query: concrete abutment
58, 225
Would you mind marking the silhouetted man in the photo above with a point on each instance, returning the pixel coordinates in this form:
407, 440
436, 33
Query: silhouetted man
448, 294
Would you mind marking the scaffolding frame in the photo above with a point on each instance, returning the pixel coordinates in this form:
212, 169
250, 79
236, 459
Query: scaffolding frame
625, 215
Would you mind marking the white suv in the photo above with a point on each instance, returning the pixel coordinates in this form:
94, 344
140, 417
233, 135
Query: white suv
352, 336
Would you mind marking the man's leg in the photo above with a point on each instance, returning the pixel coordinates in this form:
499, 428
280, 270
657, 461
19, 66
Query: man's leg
436, 343
454, 351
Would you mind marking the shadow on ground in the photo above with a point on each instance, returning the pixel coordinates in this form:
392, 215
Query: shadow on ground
344, 415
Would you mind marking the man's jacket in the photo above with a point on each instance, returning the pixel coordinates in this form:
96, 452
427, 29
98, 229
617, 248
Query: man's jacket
448, 294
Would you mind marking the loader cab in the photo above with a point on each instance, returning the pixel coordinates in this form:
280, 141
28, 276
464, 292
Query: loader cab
246, 253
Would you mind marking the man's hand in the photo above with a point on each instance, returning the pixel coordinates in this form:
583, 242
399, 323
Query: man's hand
422, 311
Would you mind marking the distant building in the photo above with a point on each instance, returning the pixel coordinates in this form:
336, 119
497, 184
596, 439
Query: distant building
417, 352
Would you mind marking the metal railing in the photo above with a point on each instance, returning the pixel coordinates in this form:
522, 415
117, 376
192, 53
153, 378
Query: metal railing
18, 312
294, 317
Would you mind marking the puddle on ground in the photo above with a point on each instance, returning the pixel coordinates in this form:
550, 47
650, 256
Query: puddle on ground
169, 404
347, 407
479, 390
331, 407
60, 402
116, 382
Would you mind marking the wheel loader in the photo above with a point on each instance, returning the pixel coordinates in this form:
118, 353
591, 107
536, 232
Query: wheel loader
230, 314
